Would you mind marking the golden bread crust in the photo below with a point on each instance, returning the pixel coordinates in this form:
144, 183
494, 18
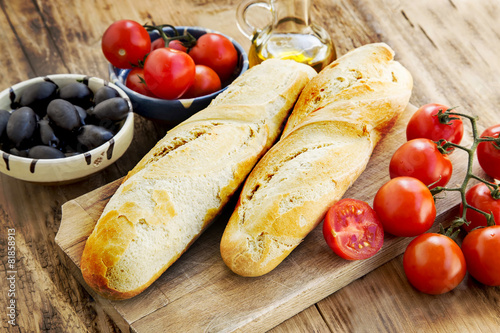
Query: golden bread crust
177, 189
338, 119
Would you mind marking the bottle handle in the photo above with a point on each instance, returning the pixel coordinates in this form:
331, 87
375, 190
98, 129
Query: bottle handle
241, 20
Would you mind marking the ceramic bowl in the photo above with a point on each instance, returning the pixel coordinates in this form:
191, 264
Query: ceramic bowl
72, 168
174, 111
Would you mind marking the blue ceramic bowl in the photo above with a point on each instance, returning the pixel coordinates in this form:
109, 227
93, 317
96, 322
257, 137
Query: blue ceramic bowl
178, 110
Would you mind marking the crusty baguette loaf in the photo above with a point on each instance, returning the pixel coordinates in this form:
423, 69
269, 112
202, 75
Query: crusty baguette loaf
326, 144
176, 190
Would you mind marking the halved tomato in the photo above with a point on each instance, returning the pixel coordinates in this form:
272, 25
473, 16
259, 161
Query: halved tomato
352, 229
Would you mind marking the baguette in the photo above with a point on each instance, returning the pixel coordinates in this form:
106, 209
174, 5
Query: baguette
326, 144
176, 190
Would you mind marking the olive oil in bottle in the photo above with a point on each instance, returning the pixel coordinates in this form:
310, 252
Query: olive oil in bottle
291, 34
305, 48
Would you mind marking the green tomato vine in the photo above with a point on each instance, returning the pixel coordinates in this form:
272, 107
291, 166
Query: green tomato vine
445, 117
187, 40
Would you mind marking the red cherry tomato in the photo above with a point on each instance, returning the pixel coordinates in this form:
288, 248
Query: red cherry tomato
205, 82
405, 207
425, 124
125, 43
434, 263
479, 196
421, 159
352, 229
481, 249
157, 44
135, 81
168, 72
173, 44
488, 153
217, 52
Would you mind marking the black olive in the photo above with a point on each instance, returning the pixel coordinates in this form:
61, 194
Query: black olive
4, 118
77, 93
82, 113
114, 109
90, 118
38, 96
110, 125
69, 124
68, 149
92, 136
17, 152
64, 115
21, 126
104, 93
45, 152
47, 135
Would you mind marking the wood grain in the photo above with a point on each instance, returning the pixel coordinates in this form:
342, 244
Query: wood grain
451, 47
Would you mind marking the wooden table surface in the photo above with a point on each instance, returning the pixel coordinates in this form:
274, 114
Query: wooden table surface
451, 48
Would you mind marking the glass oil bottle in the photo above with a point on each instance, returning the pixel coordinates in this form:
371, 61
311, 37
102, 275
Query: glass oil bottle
291, 34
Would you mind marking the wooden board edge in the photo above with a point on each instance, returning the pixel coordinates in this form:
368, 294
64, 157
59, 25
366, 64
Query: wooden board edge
65, 227
78, 206
104, 304
72, 263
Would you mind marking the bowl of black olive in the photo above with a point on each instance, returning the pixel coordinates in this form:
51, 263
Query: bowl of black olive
62, 128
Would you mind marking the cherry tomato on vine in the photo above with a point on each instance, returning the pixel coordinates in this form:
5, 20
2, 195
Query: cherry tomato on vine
168, 72
421, 159
488, 153
481, 249
434, 263
157, 44
217, 52
479, 196
125, 43
425, 124
205, 82
173, 44
405, 207
135, 81
352, 229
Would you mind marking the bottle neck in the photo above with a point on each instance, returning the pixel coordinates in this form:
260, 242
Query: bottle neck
291, 16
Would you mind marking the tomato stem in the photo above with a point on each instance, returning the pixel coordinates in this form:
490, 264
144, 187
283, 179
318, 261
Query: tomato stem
495, 141
453, 230
443, 146
186, 39
444, 116
439, 189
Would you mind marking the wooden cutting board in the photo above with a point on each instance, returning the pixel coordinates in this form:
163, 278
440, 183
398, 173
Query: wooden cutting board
200, 294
